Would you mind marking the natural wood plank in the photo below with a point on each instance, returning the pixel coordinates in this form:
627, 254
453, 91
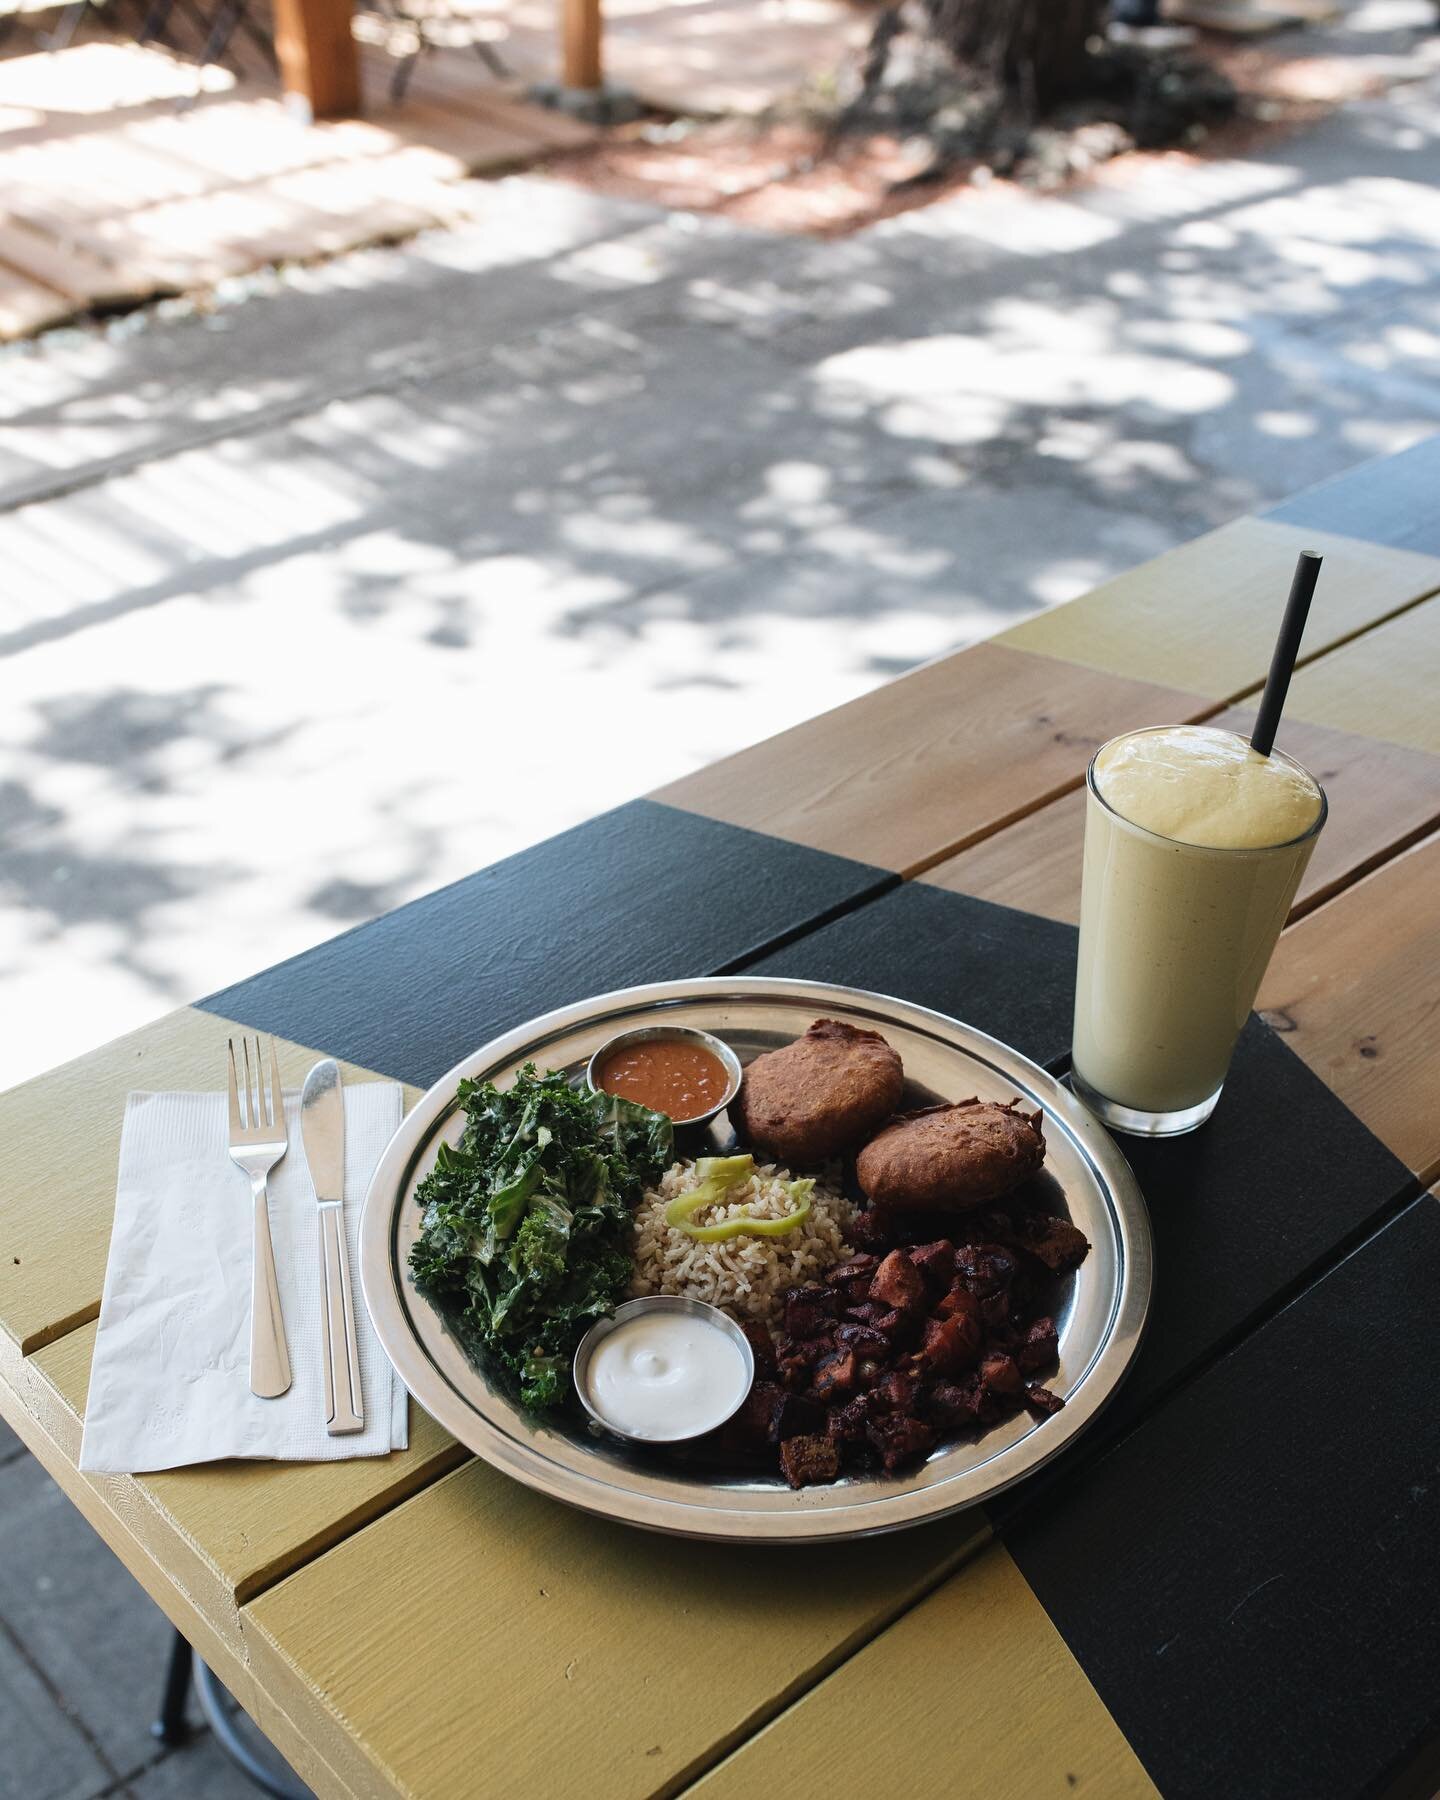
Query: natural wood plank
81, 278
580, 38
316, 50
26, 304
910, 773
1382, 796
597, 1662
59, 1180
1355, 989
1204, 616
227, 1530
974, 1694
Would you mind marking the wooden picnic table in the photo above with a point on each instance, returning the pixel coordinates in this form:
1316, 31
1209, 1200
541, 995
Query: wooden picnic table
1228, 1587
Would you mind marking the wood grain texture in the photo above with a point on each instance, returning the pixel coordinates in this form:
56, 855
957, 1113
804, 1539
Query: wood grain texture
56, 1211
1204, 616
1392, 500
973, 1695
1355, 989
635, 895
316, 50
909, 773
1382, 795
1387, 683
1249, 1579
227, 1530
94, 1497
482, 1640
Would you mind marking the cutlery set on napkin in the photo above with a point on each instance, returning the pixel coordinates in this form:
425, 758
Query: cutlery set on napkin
227, 1331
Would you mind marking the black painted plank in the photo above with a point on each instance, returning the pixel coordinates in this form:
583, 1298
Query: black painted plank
1250, 1580
1394, 500
1008, 973
644, 893
1244, 1209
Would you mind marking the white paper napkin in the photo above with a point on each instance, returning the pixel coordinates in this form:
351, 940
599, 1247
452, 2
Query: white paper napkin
170, 1382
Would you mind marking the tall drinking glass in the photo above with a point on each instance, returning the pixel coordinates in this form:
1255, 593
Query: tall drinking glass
1175, 933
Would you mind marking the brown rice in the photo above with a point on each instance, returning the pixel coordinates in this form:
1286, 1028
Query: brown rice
747, 1274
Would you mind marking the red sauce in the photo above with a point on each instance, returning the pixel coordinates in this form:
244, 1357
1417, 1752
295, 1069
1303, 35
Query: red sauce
669, 1075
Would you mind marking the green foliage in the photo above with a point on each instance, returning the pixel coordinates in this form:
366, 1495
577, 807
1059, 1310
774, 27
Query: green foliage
527, 1221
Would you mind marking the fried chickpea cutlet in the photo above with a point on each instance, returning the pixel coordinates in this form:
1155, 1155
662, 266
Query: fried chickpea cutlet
821, 1094
951, 1157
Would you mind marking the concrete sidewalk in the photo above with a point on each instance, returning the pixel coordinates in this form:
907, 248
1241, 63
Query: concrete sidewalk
387, 568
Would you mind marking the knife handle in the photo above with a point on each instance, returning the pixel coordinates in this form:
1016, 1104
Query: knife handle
344, 1410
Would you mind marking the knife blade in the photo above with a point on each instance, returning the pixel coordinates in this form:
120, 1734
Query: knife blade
322, 1130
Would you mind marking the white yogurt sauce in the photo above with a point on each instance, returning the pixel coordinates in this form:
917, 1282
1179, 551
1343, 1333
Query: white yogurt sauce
666, 1376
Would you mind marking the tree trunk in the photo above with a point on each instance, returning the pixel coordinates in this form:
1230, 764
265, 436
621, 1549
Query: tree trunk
1035, 48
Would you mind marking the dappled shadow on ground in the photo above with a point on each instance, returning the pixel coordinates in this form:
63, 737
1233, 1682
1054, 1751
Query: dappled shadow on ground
426, 556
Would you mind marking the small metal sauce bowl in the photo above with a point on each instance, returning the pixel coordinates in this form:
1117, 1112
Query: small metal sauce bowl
646, 1034
666, 1303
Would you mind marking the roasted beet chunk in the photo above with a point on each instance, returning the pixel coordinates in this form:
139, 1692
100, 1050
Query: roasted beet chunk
796, 1415
898, 1283
950, 1345
1000, 1377
1055, 1242
763, 1345
869, 1231
853, 1278
995, 1312
868, 1311
898, 1390
959, 1303
985, 1268
834, 1377
954, 1405
1040, 1347
936, 1263
864, 1338
847, 1423
1042, 1401
808, 1311
748, 1431
805, 1460
900, 1438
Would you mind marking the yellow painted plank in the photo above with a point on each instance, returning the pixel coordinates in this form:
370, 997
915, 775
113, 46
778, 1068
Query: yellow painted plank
909, 773
482, 1640
227, 1530
94, 1496
1355, 990
1382, 795
973, 1695
1204, 616
1387, 683
61, 1133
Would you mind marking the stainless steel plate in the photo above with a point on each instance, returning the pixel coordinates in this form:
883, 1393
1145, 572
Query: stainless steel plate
1100, 1318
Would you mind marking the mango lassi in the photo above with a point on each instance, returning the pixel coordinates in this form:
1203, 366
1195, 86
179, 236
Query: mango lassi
1194, 847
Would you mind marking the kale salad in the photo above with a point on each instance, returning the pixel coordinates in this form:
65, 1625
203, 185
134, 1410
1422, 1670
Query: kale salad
527, 1221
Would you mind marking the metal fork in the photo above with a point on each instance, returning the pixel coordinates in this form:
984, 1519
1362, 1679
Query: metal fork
258, 1139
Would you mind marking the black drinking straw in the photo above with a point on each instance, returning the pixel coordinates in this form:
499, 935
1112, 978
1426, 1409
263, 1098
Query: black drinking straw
1287, 648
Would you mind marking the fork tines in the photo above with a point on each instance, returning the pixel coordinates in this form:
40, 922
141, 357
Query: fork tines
254, 1111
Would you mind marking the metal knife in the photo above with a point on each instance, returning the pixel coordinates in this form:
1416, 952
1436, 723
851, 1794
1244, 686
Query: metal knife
322, 1127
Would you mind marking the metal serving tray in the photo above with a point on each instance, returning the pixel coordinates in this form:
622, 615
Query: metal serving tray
1100, 1317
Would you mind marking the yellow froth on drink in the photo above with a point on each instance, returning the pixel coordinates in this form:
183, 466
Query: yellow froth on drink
1195, 784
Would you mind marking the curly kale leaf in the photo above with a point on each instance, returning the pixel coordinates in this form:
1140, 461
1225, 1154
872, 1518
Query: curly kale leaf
526, 1221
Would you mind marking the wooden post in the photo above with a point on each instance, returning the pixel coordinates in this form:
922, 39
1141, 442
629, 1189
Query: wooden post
316, 51
580, 33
